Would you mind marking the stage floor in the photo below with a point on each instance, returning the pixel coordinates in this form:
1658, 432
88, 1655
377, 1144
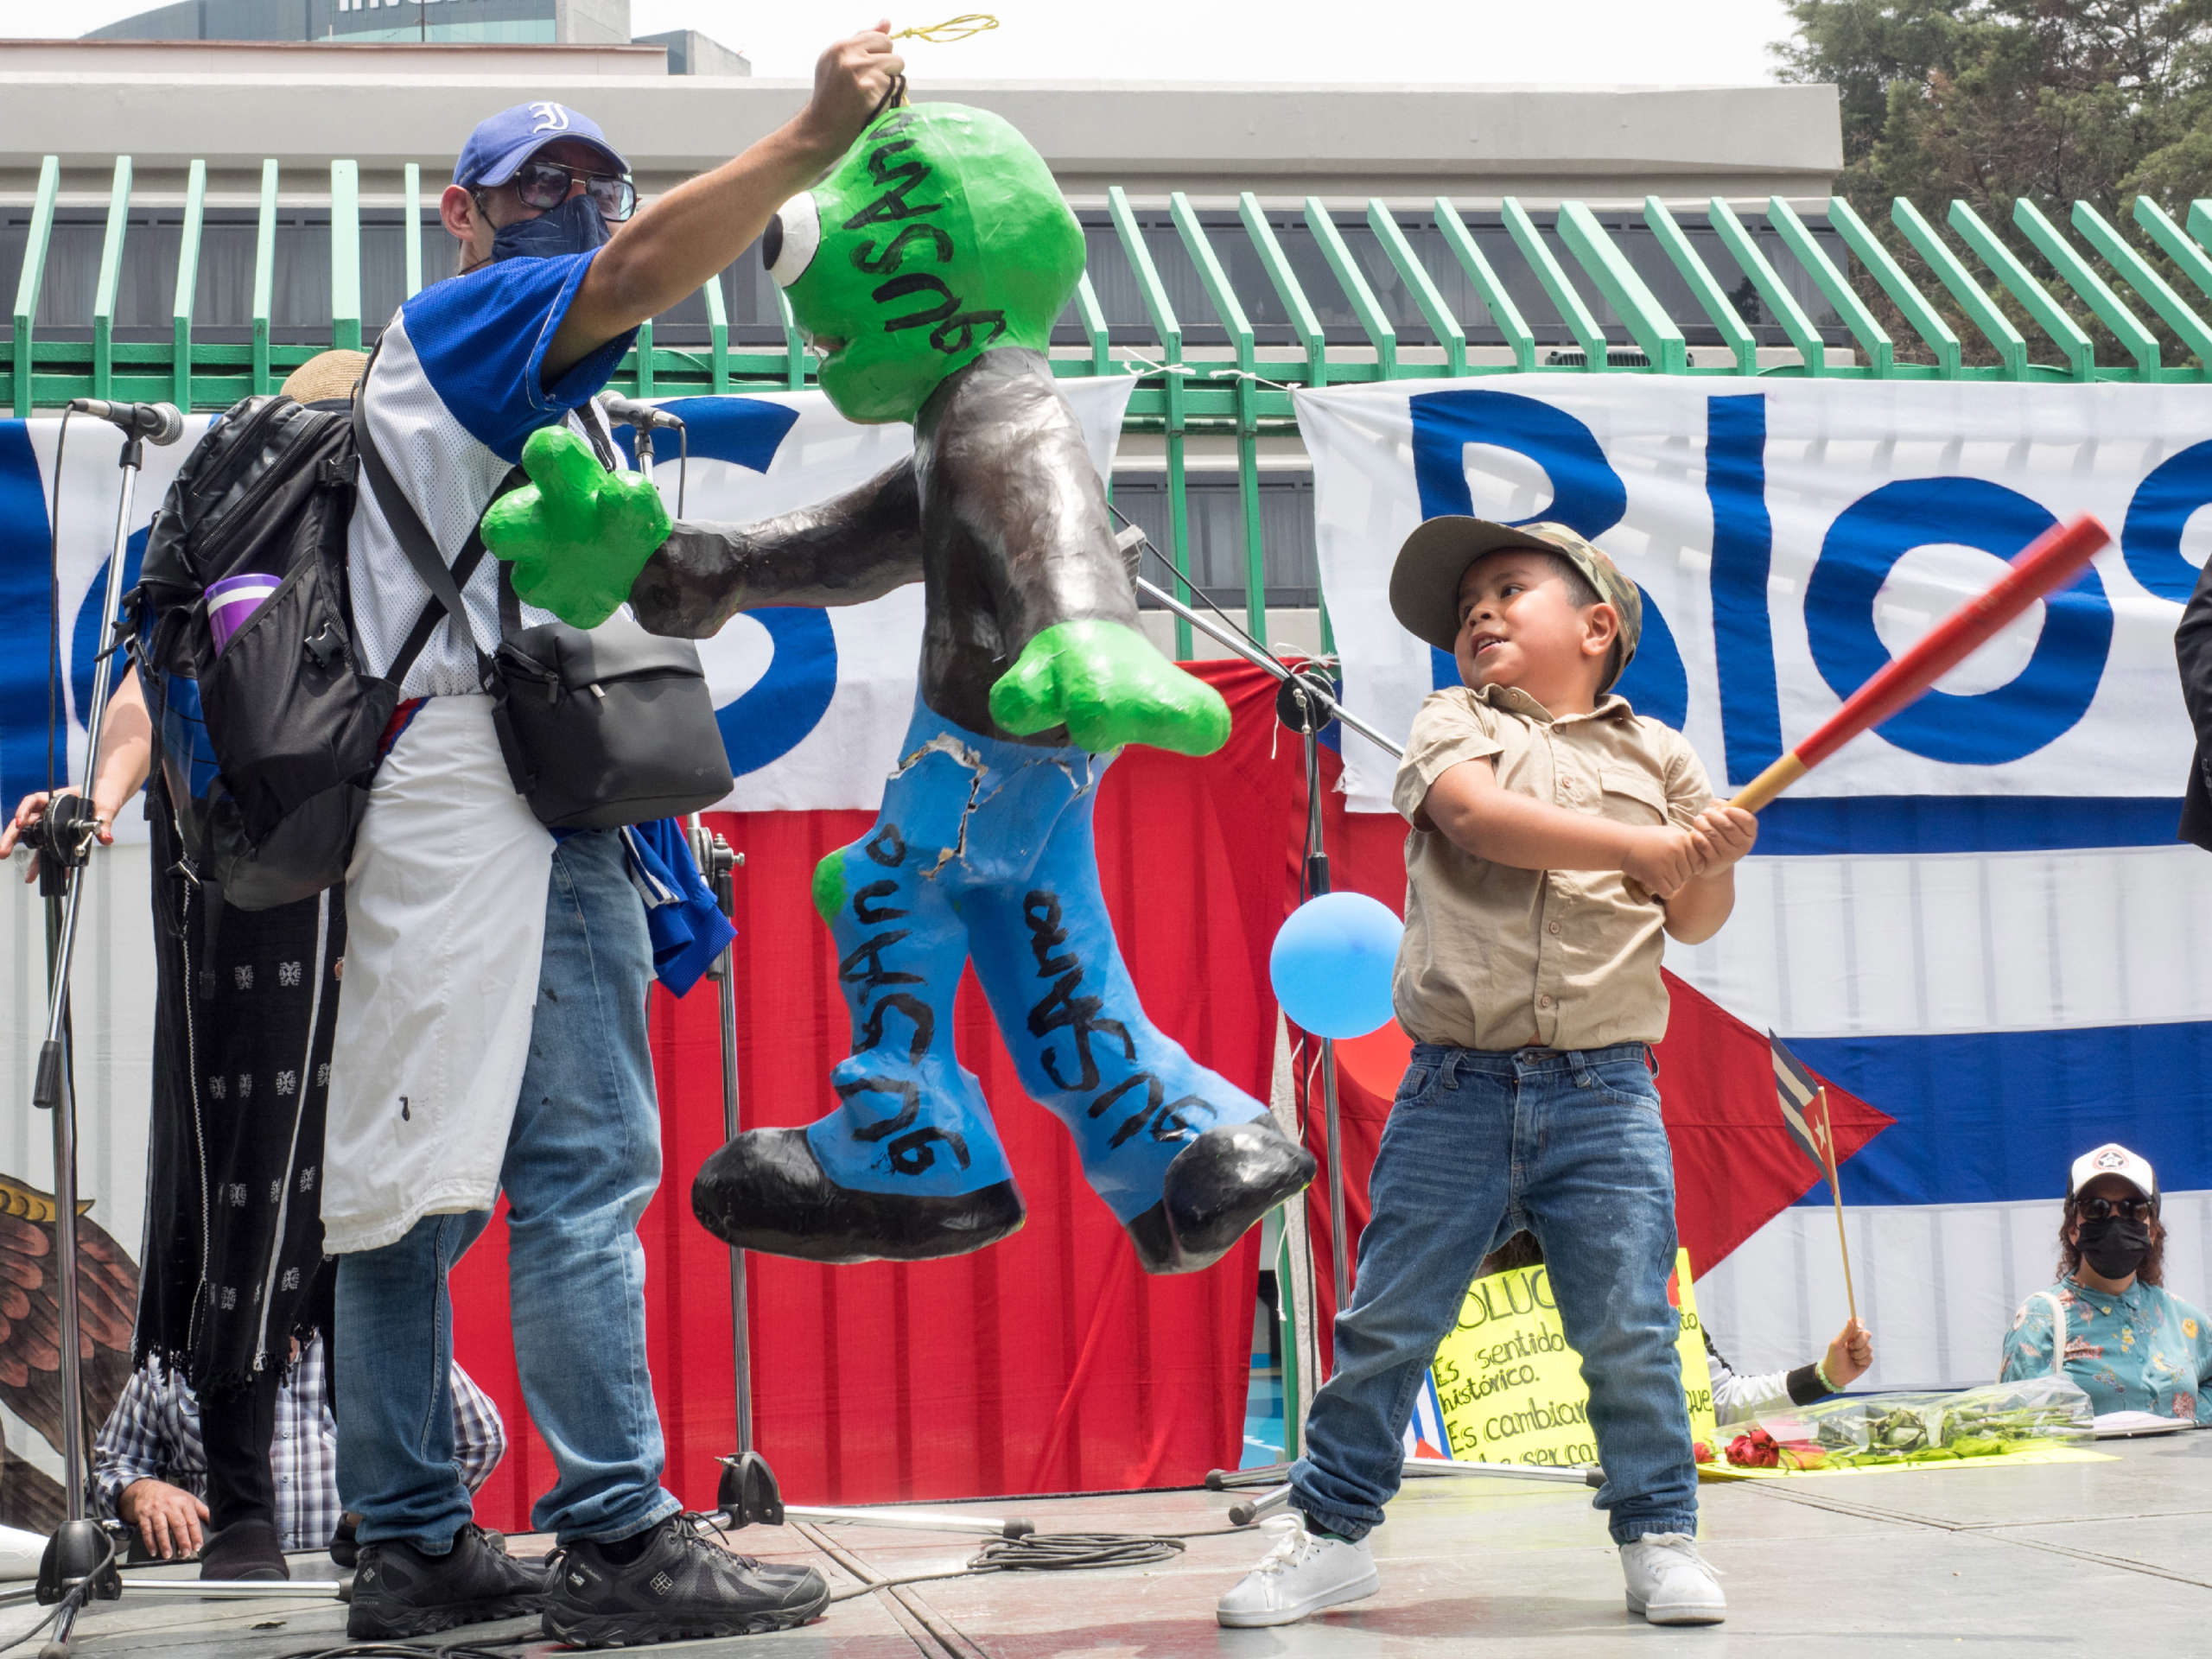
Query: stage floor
1990, 1560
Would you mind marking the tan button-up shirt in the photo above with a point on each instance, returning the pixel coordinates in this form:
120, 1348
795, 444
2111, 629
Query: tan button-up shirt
1496, 958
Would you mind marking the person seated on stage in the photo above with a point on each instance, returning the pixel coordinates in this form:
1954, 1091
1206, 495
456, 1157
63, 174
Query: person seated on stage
2109, 1324
149, 1465
1737, 1398
1555, 834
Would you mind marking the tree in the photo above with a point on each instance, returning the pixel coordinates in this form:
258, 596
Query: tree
1989, 101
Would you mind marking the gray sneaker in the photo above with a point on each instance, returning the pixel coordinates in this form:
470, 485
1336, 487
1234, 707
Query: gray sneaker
1304, 1573
1669, 1583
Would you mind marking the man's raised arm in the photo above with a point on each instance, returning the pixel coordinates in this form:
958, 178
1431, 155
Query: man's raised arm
674, 245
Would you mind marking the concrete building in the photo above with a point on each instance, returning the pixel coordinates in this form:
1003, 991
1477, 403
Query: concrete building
233, 105
165, 101
359, 22
423, 22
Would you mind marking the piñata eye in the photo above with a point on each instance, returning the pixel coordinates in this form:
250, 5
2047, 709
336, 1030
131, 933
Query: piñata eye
788, 246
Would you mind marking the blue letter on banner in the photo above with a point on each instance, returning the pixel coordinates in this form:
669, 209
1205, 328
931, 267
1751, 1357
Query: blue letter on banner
1587, 497
774, 716
1990, 727
1743, 555
24, 682
2150, 540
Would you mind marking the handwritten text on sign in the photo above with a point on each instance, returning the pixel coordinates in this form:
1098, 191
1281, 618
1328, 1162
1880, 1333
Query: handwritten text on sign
1510, 1388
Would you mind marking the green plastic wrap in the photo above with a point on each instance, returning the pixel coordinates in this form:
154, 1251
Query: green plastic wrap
1860, 1430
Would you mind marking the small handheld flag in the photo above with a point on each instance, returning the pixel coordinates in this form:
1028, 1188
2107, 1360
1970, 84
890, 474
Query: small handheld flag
1804, 1101
1804, 1108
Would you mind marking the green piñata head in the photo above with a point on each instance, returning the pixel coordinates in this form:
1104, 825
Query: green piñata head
939, 235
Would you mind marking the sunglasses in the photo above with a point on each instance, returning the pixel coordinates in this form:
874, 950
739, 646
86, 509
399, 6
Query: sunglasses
2104, 1209
546, 185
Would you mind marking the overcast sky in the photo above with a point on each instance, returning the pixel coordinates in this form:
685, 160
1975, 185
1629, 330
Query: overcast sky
1647, 42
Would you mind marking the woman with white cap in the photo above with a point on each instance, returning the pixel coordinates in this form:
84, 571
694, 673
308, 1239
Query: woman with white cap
2109, 1324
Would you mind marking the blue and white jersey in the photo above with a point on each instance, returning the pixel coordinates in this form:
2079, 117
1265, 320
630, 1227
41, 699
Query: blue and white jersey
455, 390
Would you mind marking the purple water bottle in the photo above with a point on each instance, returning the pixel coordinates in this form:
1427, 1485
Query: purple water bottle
232, 600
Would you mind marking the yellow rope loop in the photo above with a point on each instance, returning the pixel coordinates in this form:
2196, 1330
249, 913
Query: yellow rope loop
962, 28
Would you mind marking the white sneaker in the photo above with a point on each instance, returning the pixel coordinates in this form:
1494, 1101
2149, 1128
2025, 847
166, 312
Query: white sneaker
1669, 1583
1303, 1573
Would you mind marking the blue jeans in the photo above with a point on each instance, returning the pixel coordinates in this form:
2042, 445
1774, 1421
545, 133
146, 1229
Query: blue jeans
582, 1159
983, 850
1568, 1145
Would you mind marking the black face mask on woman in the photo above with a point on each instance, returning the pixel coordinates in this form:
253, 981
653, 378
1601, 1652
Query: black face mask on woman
575, 226
2115, 1246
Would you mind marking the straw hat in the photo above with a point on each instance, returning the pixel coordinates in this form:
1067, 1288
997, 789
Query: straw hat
325, 376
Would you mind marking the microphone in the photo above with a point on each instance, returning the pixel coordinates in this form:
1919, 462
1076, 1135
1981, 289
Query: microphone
628, 411
155, 422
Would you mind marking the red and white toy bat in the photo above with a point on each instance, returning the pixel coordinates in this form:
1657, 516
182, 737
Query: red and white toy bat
2045, 565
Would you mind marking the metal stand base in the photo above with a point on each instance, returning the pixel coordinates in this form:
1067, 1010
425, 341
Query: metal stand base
748, 1493
79, 1550
201, 1589
1247, 1511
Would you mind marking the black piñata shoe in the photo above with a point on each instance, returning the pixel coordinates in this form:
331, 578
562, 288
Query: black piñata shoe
1217, 1186
765, 1191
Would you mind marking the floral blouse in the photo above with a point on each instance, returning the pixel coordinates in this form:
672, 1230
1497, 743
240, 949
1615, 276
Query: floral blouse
2144, 1350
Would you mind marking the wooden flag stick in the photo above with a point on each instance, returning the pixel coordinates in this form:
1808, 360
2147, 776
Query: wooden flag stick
1835, 1192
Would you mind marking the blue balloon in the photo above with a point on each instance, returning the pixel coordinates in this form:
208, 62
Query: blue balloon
1332, 961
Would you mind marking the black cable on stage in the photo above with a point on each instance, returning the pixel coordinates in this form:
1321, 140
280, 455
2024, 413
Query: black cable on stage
1074, 1552
1057, 1552
416, 1650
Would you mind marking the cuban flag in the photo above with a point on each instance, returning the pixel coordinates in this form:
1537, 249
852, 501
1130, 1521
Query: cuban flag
1804, 1105
1426, 1435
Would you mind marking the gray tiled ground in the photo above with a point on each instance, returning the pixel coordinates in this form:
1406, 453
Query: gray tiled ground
1957, 1561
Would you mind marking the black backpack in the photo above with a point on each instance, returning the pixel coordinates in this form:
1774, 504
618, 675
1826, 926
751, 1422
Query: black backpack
268, 747
285, 704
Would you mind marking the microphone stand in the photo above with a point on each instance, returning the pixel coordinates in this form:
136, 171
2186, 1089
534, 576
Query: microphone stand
747, 1492
718, 863
79, 1562
1305, 703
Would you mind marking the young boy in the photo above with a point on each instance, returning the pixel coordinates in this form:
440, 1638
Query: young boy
1556, 833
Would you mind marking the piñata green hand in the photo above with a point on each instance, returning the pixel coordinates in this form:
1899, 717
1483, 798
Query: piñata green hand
576, 534
1108, 686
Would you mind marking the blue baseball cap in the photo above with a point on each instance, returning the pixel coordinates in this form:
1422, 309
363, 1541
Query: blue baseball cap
504, 142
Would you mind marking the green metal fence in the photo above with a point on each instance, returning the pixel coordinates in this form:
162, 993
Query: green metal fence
2145, 295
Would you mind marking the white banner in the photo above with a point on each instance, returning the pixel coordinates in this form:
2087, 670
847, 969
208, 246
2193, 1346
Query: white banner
812, 702
1976, 918
1790, 536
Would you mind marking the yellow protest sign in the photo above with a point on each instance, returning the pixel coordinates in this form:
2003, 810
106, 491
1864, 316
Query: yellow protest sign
1508, 1390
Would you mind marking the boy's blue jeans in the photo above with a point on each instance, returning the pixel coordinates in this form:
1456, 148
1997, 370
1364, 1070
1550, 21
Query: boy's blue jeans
582, 1159
1570, 1146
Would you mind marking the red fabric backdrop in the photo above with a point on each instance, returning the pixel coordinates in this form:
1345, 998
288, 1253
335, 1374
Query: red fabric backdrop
1048, 1362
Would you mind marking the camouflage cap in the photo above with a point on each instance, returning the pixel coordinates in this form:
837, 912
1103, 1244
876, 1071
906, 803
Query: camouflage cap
1425, 582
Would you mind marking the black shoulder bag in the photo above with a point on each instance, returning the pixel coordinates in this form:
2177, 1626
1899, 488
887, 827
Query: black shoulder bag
599, 728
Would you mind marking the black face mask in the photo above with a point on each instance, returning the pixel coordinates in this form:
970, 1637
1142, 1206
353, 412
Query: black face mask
2114, 1247
575, 226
